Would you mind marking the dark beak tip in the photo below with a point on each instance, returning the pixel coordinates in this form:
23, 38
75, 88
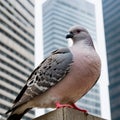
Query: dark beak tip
69, 35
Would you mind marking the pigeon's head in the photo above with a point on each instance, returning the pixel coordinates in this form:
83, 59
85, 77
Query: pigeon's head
77, 33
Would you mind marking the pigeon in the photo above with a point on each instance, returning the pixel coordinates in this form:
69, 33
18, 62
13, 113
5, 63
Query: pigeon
62, 78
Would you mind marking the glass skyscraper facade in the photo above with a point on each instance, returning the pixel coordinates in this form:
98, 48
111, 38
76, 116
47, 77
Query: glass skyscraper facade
16, 50
111, 13
58, 17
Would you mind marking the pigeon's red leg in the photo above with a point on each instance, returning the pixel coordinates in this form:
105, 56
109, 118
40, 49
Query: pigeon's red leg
58, 105
75, 107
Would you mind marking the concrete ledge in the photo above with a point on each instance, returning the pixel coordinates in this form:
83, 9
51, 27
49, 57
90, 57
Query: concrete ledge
67, 114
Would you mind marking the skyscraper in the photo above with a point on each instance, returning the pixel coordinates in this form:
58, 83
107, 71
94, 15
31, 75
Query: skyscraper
111, 12
58, 17
16, 50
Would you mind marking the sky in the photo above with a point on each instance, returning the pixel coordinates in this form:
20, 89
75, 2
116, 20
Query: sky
101, 44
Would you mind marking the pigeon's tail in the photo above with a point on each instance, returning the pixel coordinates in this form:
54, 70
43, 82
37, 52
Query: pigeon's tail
17, 112
17, 116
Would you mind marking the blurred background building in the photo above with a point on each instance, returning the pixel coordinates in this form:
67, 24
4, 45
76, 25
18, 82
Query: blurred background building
111, 14
16, 50
58, 17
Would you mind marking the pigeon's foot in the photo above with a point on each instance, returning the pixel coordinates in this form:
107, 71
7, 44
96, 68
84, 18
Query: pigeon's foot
58, 105
82, 110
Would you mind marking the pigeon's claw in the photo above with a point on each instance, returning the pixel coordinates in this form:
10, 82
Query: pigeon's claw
77, 108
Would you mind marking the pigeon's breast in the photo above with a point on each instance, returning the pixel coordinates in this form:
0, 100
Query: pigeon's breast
83, 74
86, 63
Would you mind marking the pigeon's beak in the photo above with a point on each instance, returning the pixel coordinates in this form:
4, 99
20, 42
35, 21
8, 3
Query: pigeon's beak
69, 35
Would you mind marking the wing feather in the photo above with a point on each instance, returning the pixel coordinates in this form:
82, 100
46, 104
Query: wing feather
51, 71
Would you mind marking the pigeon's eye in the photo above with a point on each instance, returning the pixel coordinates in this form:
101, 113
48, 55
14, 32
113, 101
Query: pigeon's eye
78, 31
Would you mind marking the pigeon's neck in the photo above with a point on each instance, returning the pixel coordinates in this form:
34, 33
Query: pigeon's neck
85, 43
89, 42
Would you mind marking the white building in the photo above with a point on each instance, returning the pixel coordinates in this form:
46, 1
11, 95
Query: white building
16, 50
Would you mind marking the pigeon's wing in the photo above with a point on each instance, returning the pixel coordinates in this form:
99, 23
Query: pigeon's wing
50, 72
